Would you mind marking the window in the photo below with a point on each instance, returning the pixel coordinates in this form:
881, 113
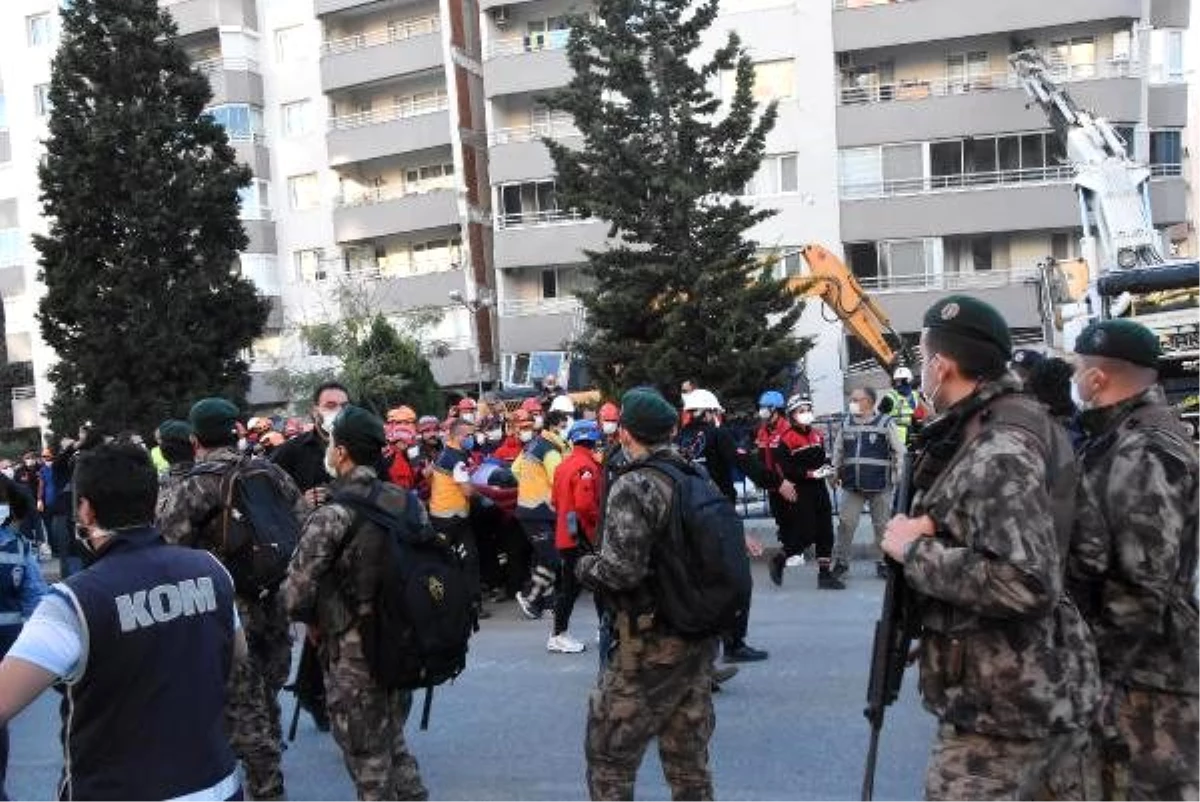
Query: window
1166, 149
774, 80
254, 200
10, 246
38, 30
784, 261
304, 191
968, 72
241, 121
776, 174
3, 114
41, 99
860, 171
308, 265
290, 44
1075, 57
549, 284
297, 118
981, 253
1166, 56
529, 203
1122, 46
1060, 246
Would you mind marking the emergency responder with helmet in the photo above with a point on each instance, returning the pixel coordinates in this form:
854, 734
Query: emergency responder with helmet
904, 403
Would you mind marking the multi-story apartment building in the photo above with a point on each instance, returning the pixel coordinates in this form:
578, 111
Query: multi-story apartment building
396, 148
949, 181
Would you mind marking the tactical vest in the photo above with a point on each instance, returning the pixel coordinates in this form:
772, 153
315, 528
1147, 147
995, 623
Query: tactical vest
13, 556
866, 454
902, 411
146, 720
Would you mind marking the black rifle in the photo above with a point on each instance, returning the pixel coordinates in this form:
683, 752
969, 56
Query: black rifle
308, 687
893, 638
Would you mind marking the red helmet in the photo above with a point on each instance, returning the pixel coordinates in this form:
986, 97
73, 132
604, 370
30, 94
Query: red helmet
609, 412
466, 405
521, 419
532, 406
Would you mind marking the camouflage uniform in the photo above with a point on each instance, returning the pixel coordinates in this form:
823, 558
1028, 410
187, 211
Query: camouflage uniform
188, 516
168, 486
1007, 662
657, 684
367, 720
1133, 569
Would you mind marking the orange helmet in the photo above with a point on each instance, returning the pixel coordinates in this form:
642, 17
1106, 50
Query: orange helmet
521, 419
609, 412
402, 414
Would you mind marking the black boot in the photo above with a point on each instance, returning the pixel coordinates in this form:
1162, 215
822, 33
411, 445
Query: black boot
775, 566
841, 568
827, 579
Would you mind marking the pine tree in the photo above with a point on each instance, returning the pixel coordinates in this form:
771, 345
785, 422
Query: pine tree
681, 292
143, 305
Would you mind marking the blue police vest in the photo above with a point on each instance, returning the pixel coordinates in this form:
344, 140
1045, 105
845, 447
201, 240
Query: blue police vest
146, 720
866, 454
13, 556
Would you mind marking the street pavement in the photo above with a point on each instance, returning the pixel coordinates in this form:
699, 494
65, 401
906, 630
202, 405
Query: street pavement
511, 727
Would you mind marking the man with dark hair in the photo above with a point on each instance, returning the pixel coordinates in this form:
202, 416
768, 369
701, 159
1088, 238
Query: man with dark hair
1007, 663
367, 719
193, 517
303, 457
143, 641
1133, 562
1050, 383
450, 492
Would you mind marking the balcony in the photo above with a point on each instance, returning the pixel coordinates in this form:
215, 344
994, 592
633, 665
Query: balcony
545, 238
253, 153
325, 7
402, 49
379, 213
531, 63
906, 298
197, 16
397, 129
912, 109
517, 154
536, 325
1008, 200
866, 24
233, 80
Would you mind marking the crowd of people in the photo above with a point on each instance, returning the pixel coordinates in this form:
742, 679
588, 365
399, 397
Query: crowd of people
1051, 545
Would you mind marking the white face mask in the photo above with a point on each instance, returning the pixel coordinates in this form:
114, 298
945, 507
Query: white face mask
927, 385
468, 417
608, 427
805, 418
330, 468
538, 421
327, 419
495, 435
525, 435
855, 408
413, 452
1081, 403
764, 413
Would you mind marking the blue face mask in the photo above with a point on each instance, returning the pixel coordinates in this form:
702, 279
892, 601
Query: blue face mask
468, 443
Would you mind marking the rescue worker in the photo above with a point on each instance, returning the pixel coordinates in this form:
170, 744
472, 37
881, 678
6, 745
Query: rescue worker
401, 437
781, 493
576, 497
800, 457
704, 441
404, 415
303, 457
192, 517
450, 492
142, 641
367, 719
534, 470
1007, 663
510, 446
905, 404
608, 416
656, 684
868, 455
536, 411
563, 403
1133, 563
467, 410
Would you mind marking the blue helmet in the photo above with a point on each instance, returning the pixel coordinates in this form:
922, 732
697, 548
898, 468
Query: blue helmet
772, 399
583, 430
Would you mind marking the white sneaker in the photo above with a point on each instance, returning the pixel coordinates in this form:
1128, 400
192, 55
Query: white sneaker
564, 644
795, 561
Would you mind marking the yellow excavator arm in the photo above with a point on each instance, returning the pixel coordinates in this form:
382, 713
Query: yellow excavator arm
831, 281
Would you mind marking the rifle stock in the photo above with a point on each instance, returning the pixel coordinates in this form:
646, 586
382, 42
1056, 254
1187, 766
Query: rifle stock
891, 644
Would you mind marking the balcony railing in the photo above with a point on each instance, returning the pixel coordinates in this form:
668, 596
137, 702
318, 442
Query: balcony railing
396, 32
531, 43
211, 65
24, 393
983, 279
941, 183
539, 218
1166, 170
398, 111
922, 88
332, 270
559, 126
840, 4
370, 195
539, 306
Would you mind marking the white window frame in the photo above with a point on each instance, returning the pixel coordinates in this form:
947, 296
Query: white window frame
286, 38
297, 118
41, 100
39, 30
298, 201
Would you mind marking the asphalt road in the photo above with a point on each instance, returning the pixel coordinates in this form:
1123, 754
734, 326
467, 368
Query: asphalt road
511, 727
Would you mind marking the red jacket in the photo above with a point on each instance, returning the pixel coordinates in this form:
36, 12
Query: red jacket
508, 449
400, 473
577, 489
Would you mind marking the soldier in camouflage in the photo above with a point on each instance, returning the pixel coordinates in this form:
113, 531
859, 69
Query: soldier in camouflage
190, 516
367, 720
1007, 663
1133, 564
656, 684
175, 444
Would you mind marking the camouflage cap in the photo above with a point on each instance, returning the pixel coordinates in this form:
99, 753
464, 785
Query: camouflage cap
1120, 339
647, 416
972, 319
356, 427
213, 418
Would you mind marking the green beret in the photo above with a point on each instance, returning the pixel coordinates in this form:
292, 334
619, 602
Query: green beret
972, 319
647, 415
174, 429
1120, 339
213, 419
354, 427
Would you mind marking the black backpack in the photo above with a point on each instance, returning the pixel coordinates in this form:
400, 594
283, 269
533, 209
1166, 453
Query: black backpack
422, 614
701, 572
257, 530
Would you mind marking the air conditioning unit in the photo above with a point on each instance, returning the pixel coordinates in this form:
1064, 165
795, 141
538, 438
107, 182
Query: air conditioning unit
500, 16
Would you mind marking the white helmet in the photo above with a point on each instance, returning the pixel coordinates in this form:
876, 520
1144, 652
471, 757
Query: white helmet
902, 374
797, 401
698, 400
563, 403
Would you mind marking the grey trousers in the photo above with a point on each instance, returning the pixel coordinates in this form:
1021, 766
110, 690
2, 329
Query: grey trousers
880, 505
